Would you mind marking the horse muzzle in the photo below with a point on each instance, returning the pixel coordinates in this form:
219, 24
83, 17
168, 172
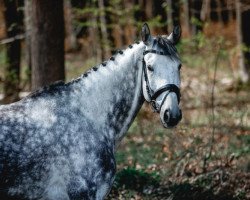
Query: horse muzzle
170, 120
170, 112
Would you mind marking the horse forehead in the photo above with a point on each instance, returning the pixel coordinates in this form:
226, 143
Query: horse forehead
152, 58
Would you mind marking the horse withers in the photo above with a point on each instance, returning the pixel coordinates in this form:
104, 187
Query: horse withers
59, 142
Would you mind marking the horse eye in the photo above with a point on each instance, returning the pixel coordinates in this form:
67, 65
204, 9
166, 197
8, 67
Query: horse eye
150, 68
179, 67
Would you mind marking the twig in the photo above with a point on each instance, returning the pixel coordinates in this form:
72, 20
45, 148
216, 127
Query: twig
12, 39
208, 156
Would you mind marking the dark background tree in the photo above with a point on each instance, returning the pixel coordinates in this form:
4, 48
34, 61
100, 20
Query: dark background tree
196, 7
245, 17
47, 42
13, 22
28, 28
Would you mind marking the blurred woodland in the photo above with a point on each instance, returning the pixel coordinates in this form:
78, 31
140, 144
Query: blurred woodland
208, 155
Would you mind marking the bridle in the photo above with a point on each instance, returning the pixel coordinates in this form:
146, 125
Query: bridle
154, 94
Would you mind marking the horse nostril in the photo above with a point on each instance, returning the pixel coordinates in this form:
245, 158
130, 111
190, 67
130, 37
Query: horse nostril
166, 116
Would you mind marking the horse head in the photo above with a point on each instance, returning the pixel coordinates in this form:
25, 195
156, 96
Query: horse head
161, 80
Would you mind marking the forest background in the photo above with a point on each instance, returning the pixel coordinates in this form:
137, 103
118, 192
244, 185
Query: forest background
208, 155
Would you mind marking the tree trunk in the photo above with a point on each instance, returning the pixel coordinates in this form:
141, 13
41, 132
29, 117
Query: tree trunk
149, 9
159, 10
196, 15
214, 15
218, 8
27, 22
224, 12
104, 31
186, 11
70, 37
47, 42
230, 7
170, 16
96, 50
13, 52
140, 14
109, 21
205, 10
176, 12
243, 39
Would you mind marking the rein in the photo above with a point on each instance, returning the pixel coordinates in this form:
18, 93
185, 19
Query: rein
154, 94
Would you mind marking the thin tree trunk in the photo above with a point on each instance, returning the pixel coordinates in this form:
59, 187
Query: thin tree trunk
243, 38
230, 8
218, 7
93, 30
214, 14
13, 52
159, 10
176, 12
170, 16
187, 17
47, 42
139, 14
224, 12
205, 10
70, 37
109, 21
27, 22
149, 9
127, 31
196, 14
94, 36
104, 31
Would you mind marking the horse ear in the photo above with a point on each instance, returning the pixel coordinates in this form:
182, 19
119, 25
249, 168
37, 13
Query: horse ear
174, 37
145, 34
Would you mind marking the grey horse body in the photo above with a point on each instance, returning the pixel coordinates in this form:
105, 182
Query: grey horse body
59, 142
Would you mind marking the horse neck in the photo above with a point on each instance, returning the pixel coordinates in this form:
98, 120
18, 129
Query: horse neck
111, 96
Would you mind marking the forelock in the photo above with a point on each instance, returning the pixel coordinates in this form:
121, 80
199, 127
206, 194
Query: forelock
166, 45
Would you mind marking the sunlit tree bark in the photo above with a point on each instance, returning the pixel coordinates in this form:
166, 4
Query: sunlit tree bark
243, 38
205, 10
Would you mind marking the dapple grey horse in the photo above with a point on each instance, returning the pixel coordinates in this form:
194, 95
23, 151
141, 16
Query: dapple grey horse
59, 142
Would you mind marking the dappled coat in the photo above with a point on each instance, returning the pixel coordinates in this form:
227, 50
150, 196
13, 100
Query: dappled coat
59, 142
